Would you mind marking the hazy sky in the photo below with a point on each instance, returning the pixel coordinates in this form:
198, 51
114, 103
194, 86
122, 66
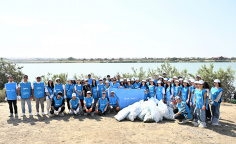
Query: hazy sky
117, 28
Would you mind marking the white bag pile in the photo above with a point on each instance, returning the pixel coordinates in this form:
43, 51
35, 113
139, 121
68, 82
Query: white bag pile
146, 111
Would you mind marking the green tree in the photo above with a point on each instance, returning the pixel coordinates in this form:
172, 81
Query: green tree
71, 58
7, 69
63, 77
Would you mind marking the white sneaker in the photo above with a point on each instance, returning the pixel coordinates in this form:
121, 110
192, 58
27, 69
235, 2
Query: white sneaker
215, 124
43, 113
30, 114
195, 124
186, 120
36, 114
51, 115
61, 114
16, 114
23, 114
201, 125
10, 115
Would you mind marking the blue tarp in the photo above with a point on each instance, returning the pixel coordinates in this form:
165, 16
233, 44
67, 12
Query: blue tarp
127, 97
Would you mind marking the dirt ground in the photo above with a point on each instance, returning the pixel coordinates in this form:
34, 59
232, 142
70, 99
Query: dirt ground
87, 129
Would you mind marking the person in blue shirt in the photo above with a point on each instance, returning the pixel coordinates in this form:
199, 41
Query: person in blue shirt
25, 91
215, 101
89, 104
165, 82
58, 105
69, 88
185, 92
183, 114
129, 85
118, 79
104, 81
200, 106
181, 82
95, 92
122, 86
137, 83
11, 95
58, 87
115, 84
108, 78
169, 90
106, 88
78, 89
75, 105
125, 82
49, 94
192, 97
160, 91
145, 87
155, 79
164, 74
38, 89
102, 105
132, 81
152, 89
89, 79
113, 103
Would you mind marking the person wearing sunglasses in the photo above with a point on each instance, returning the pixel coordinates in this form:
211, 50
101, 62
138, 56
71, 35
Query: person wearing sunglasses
38, 89
25, 91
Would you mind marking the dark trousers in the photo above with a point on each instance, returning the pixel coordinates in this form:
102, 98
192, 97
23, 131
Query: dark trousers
180, 117
82, 102
208, 113
110, 110
175, 111
100, 113
56, 108
68, 103
14, 102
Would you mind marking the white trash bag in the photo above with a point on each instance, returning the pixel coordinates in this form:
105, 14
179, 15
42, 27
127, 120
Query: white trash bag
134, 111
123, 113
148, 117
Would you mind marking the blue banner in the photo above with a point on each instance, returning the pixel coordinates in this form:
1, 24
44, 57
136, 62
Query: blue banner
127, 97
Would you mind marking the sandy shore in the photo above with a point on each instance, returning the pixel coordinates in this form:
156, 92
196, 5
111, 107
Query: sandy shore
87, 129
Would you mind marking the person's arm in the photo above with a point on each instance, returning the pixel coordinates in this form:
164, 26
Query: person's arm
172, 93
106, 106
97, 105
92, 104
218, 97
179, 92
182, 109
117, 103
32, 92
188, 95
85, 106
163, 91
71, 106
54, 90
18, 90
64, 91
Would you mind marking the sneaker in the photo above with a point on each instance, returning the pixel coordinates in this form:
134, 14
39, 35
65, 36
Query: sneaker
10, 115
16, 115
201, 125
30, 114
209, 122
61, 114
85, 114
23, 114
186, 120
36, 114
43, 113
195, 124
51, 115
215, 124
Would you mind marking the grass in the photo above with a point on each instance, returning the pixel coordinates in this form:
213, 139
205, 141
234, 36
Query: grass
2, 95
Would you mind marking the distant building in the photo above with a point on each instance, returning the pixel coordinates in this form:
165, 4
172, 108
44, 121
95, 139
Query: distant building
220, 58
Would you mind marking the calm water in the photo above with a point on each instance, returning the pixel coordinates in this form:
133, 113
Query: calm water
34, 69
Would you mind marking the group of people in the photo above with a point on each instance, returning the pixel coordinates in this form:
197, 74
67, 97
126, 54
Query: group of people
190, 99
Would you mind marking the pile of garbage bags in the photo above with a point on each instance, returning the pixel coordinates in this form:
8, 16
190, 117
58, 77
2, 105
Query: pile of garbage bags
146, 111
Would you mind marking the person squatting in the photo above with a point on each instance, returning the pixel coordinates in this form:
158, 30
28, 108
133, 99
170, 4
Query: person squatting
190, 99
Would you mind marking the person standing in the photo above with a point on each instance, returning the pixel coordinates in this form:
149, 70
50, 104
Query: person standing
215, 101
49, 94
25, 91
160, 91
137, 83
39, 94
152, 89
78, 89
169, 90
89, 79
59, 87
86, 87
11, 95
145, 88
68, 92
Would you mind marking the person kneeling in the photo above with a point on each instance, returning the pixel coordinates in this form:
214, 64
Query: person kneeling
102, 105
74, 105
88, 104
58, 105
113, 103
183, 114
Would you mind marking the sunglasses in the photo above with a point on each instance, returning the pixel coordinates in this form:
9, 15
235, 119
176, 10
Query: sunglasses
86, 81
25, 77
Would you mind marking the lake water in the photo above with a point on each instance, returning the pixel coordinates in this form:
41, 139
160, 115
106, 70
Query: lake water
35, 69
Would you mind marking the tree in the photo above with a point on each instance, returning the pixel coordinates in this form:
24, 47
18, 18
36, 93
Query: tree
63, 77
7, 69
71, 58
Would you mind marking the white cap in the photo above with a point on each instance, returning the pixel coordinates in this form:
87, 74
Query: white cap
201, 82
160, 76
78, 78
128, 80
73, 94
151, 79
169, 80
93, 79
198, 76
158, 81
112, 92
164, 72
50, 79
57, 78
68, 79
196, 82
175, 77
165, 79
100, 79
185, 81
137, 79
72, 79
107, 82
88, 92
85, 79
121, 80
143, 81
181, 79
192, 80
216, 81
155, 74
125, 78
177, 97
176, 80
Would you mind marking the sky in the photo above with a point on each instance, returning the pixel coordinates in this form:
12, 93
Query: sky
117, 28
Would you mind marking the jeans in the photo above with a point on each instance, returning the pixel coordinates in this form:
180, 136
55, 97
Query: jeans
199, 116
41, 101
28, 100
215, 113
68, 103
14, 102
